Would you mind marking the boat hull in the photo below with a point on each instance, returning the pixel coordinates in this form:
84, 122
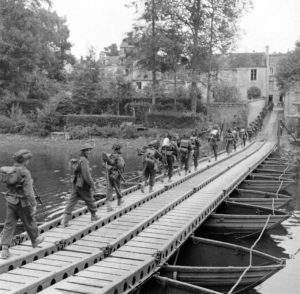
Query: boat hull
218, 265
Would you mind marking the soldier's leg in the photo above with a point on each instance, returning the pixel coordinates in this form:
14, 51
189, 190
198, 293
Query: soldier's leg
90, 202
195, 157
109, 192
71, 203
170, 161
9, 227
152, 179
29, 223
215, 149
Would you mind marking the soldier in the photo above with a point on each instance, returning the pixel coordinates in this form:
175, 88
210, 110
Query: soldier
213, 138
185, 148
236, 138
229, 138
169, 152
243, 136
196, 148
82, 187
249, 133
21, 203
150, 163
115, 165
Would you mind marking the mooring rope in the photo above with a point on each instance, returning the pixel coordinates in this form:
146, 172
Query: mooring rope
279, 188
250, 262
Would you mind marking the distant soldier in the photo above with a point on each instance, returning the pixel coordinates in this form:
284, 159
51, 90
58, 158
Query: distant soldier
115, 166
243, 136
150, 163
236, 138
83, 186
229, 139
249, 133
185, 148
196, 148
213, 138
169, 152
20, 201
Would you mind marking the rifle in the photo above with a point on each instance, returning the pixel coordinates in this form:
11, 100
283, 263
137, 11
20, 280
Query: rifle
37, 196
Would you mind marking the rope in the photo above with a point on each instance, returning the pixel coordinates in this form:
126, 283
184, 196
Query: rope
250, 262
279, 188
273, 208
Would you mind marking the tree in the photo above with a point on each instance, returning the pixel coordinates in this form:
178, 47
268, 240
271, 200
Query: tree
288, 72
112, 50
225, 93
33, 46
209, 27
253, 92
87, 88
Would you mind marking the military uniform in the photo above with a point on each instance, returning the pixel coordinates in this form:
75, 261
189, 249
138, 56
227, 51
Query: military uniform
196, 149
150, 164
185, 148
229, 138
243, 136
115, 165
169, 152
82, 187
213, 139
21, 204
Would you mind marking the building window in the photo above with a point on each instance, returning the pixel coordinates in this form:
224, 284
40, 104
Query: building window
139, 85
253, 74
271, 70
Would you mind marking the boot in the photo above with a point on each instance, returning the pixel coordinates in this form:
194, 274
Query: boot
150, 189
37, 241
65, 220
120, 201
142, 188
5, 252
170, 180
108, 206
94, 217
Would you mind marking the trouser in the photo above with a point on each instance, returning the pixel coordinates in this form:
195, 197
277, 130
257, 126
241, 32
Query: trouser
83, 194
214, 148
14, 212
228, 143
184, 160
234, 145
170, 163
150, 172
244, 142
114, 184
196, 157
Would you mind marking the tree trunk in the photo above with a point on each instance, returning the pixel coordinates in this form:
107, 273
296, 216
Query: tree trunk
154, 80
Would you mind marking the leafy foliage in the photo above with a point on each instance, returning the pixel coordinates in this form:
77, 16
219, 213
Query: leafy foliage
253, 92
288, 72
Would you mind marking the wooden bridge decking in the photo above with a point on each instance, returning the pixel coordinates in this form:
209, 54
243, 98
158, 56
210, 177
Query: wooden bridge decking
125, 247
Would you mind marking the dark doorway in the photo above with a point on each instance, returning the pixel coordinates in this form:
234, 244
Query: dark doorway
270, 99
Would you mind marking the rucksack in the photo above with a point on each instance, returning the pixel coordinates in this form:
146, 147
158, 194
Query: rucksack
9, 175
120, 163
150, 156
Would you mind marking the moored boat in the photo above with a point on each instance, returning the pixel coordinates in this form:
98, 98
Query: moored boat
265, 185
239, 218
218, 265
163, 285
261, 176
260, 198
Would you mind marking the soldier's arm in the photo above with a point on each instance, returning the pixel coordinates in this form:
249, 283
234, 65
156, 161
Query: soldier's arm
86, 174
28, 187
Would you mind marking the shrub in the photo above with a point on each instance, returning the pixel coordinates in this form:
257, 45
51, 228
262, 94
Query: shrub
6, 124
253, 92
79, 132
35, 129
99, 120
129, 132
170, 120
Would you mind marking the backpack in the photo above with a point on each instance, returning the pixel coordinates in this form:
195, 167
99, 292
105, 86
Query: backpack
74, 164
150, 156
120, 163
214, 136
9, 175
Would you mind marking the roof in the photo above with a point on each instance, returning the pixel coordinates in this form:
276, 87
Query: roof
244, 60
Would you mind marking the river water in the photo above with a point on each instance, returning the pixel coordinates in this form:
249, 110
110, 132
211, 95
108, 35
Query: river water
49, 168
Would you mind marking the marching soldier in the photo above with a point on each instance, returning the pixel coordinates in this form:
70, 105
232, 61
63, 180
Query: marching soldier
115, 165
235, 136
213, 138
196, 148
21, 203
229, 138
169, 153
185, 148
82, 188
150, 163
243, 136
